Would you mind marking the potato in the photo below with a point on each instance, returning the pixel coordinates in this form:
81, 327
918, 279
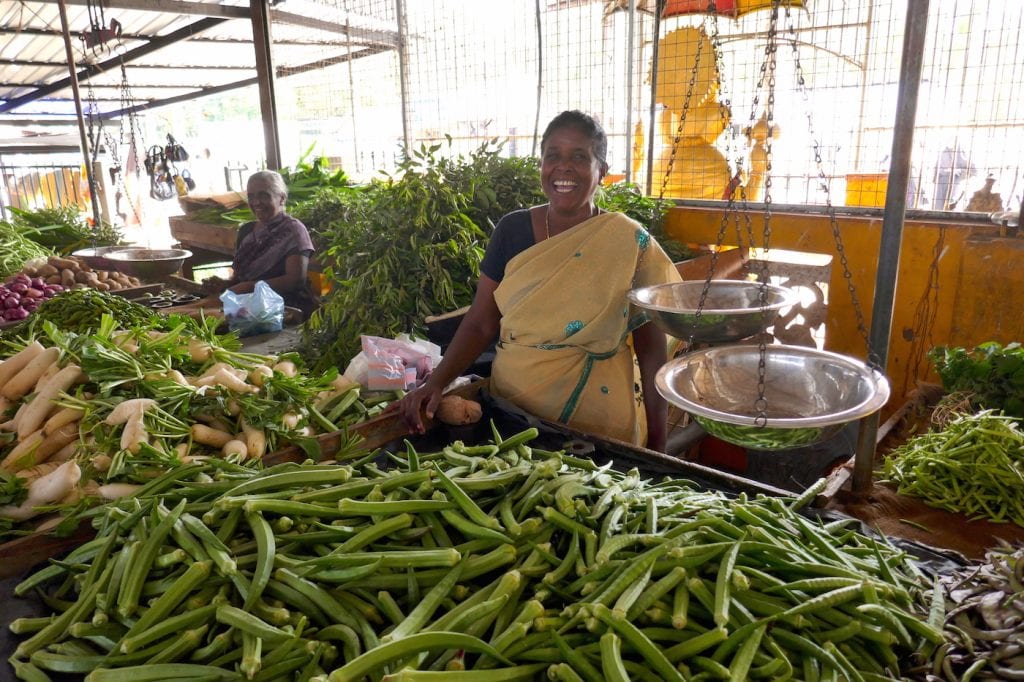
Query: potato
52, 279
67, 278
102, 275
47, 270
83, 276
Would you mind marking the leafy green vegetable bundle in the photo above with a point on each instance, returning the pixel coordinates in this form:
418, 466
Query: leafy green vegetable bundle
409, 246
991, 375
63, 229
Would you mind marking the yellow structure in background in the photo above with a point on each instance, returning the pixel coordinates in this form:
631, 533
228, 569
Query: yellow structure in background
686, 162
978, 283
866, 189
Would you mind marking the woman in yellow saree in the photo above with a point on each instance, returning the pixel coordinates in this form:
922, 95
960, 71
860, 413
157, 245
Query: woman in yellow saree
552, 291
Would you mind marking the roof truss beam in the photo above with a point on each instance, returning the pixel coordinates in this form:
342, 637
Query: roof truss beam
115, 62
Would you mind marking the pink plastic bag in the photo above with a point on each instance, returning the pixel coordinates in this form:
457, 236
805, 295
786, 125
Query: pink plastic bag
394, 364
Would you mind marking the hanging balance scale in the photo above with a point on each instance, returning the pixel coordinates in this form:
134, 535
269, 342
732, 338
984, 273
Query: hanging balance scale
734, 383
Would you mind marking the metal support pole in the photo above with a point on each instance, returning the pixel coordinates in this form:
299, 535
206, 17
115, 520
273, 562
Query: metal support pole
261, 42
630, 66
659, 8
69, 52
892, 223
403, 68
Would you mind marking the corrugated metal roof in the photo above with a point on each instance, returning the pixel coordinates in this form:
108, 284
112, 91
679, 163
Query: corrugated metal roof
171, 50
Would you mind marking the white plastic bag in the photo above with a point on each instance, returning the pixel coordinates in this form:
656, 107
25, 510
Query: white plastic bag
389, 364
260, 312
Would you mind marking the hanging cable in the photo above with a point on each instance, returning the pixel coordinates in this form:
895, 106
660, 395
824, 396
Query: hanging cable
540, 77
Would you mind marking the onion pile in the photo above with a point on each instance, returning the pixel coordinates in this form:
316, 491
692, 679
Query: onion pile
22, 294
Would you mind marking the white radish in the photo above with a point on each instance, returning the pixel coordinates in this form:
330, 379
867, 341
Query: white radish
21, 383
12, 423
37, 471
235, 447
23, 454
127, 408
286, 367
64, 454
115, 491
62, 417
15, 363
134, 434
255, 441
205, 435
199, 351
80, 492
41, 406
44, 491
259, 374
228, 379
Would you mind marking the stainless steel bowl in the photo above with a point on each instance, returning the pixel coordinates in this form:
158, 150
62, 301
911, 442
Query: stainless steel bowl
809, 394
148, 264
731, 311
96, 258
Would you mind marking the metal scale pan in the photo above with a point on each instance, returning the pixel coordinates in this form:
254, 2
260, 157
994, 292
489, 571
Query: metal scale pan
809, 394
730, 311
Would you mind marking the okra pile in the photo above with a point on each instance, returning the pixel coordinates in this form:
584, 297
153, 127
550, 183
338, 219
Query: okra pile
487, 562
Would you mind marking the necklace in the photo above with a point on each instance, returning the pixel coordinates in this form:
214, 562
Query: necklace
547, 226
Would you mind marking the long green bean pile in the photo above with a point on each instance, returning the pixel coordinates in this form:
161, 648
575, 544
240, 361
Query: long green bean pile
489, 562
974, 466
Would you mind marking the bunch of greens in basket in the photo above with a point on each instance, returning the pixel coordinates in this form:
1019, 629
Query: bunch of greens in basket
992, 375
303, 181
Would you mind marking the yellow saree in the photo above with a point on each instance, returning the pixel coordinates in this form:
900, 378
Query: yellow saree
563, 352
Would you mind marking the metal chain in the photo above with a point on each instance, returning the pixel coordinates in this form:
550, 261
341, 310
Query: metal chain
682, 119
770, 54
823, 184
730, 205
134, 131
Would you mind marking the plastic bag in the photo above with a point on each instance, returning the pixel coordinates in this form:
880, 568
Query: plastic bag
260, 312
389, 364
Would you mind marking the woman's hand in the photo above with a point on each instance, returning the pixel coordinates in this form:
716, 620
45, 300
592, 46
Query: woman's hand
422, 401
214, 285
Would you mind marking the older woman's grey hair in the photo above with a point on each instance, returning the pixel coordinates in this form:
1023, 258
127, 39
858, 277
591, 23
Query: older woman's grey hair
274, 179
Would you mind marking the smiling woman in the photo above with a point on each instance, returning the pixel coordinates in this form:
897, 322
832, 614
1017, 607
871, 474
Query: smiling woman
552, 291
274, 248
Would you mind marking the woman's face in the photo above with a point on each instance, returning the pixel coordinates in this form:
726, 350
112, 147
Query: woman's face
570, 171
264, 202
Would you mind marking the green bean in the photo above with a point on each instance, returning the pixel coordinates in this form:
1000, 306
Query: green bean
166, 603
212, 546
161, 672
466, 503
639, 641
611, 658
246, 622
61, 623
136, 639
376, 658
722, 585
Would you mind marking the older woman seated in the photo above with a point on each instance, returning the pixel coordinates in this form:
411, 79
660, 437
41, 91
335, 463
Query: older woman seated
274, 248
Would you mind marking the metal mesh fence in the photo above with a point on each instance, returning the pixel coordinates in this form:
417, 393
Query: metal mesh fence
728, 93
